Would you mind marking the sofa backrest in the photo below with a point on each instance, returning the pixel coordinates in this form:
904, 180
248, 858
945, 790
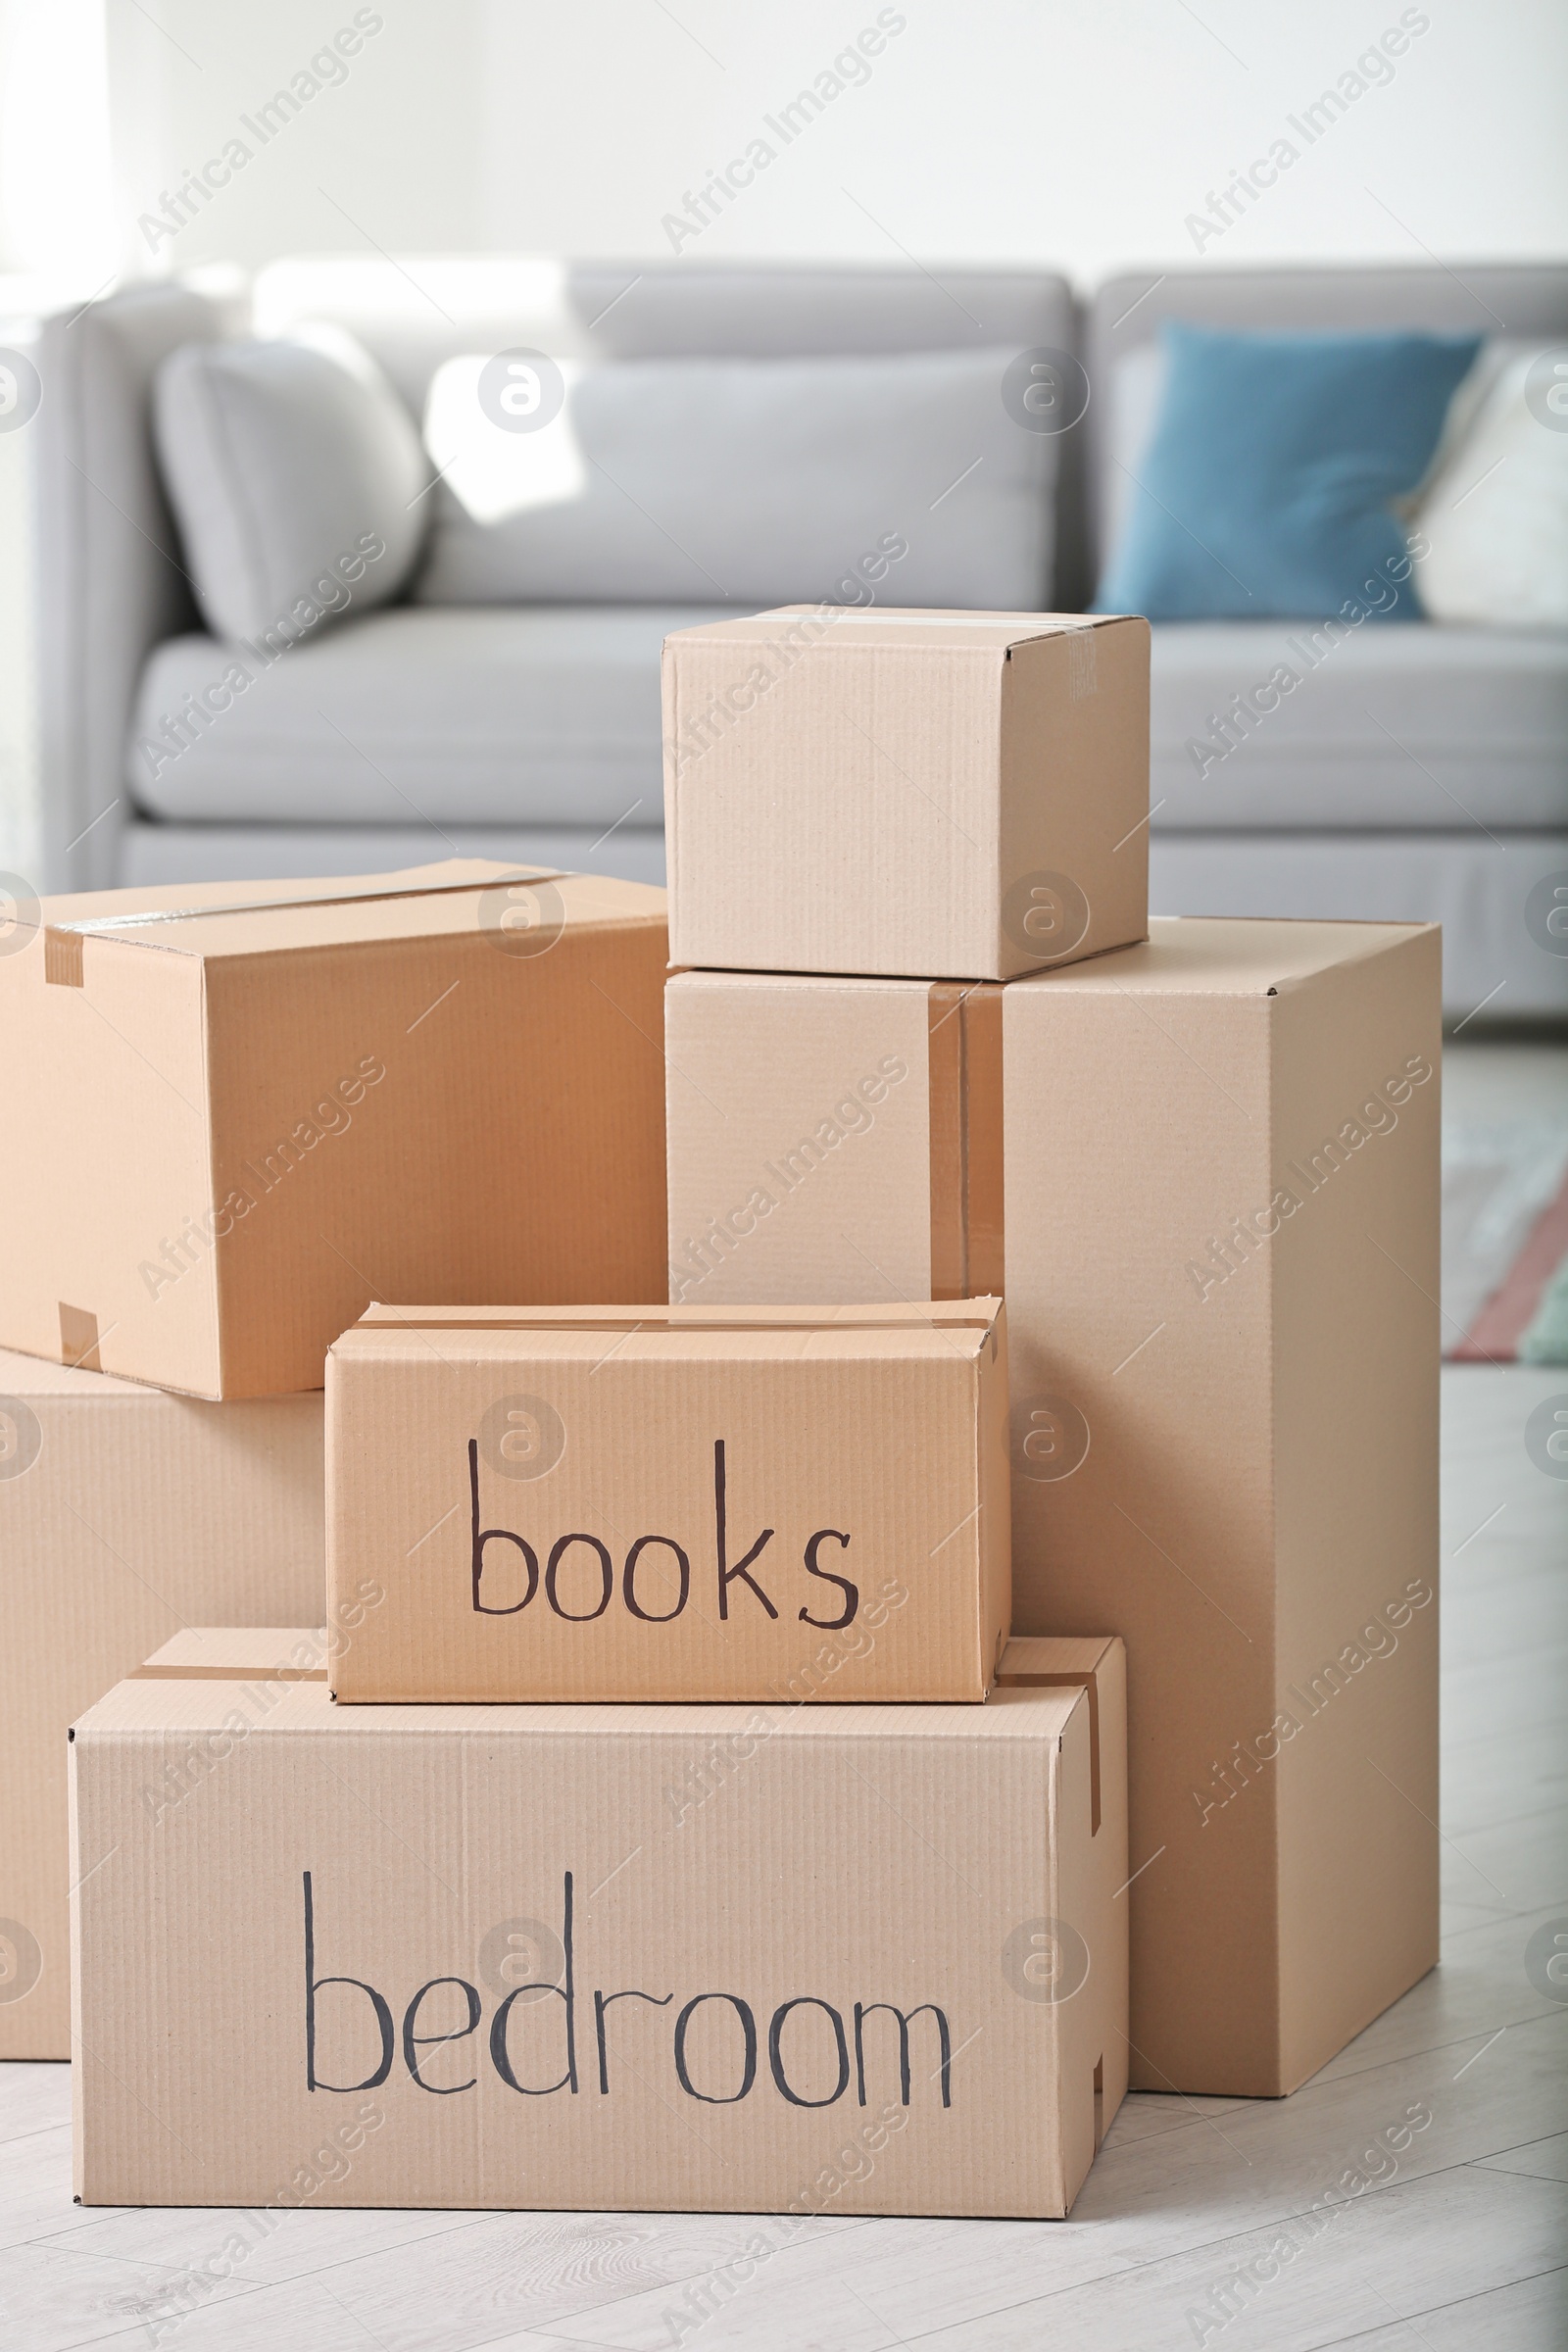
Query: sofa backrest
1520, 300
415, 312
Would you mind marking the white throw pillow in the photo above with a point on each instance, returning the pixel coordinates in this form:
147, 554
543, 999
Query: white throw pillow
1494, 512
1135, 399
295, 474
763, 481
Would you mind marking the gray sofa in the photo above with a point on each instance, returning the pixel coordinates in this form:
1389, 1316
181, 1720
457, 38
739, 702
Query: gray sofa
1421, 771
1418, 773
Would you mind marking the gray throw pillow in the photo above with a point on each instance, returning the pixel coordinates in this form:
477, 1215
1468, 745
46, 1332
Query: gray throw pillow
898, 478
294, 471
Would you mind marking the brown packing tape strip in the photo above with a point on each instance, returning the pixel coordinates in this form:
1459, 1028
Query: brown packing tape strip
968, 1257
94, 925
63, 941
945, 1068
62, 959
226, 1674
983, 1163
1071, 1682
78, 1339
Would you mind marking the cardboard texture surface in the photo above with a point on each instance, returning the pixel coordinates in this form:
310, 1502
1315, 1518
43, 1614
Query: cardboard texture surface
671, 1504
254, 1107
123, 1515
785, 1960
982, 780
1220, 1262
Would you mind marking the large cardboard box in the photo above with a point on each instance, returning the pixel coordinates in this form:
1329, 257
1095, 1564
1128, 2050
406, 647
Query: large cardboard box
671, 1503
782, 1960
1217, 1235
239, 1111
124, 1515
945, 794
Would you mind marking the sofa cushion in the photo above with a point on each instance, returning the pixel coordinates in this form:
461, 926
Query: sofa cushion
765, 481
1494, 512
1265, 724
295, 474
1267, 484
478, 717
1126, 313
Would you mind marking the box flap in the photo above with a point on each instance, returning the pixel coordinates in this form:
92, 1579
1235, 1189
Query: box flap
963, 1327
847, 624
1225, 957
100, 910
203, 1659
1057, 1663
213, 920
232, 1653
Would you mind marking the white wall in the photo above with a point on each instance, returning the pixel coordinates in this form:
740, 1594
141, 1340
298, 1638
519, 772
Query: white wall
1031, 129
1085, 134
387, 151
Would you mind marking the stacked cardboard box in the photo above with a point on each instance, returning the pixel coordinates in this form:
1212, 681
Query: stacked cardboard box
125, 1513
236, 1112
1202, 1169
766, 1958
788, 1885
902, 1904
251, 1109
676, 1762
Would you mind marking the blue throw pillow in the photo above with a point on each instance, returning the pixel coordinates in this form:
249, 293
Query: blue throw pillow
1265, 487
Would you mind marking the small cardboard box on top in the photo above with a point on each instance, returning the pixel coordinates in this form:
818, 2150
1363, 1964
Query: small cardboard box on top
786, 1960
251, 1108
1203, 1172
124, 1514
670, 1503
945, 794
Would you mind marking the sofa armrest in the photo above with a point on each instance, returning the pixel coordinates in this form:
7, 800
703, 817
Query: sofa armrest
111, 581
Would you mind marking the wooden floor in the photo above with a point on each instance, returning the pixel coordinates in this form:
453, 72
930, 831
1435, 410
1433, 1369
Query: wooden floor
1463, 2246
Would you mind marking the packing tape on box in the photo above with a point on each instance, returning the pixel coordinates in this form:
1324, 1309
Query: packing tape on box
965, 1070
78, 1339
63, 941
1088, 1681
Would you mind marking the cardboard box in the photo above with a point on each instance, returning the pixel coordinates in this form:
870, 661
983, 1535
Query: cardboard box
786, 1960
241, 1110
670, 1503
1218, 1244
124, 1515
943, 795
